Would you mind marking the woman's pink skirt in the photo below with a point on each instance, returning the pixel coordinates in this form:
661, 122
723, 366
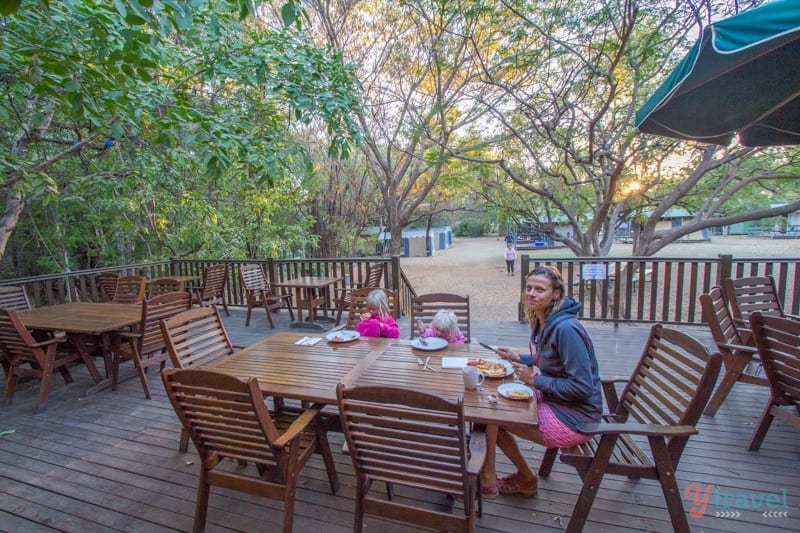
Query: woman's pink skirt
554, 433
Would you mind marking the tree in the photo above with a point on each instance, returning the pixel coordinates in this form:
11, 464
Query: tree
572, 76
418, 71
200, 98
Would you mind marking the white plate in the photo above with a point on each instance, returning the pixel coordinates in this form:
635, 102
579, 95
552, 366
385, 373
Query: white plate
505, 388
507, 364
430, 343
344, 335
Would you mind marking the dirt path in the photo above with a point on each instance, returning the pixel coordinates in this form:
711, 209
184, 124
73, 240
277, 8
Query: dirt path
475, 266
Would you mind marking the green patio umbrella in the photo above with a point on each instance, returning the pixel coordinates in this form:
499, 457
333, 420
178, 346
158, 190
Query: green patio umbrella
741, 77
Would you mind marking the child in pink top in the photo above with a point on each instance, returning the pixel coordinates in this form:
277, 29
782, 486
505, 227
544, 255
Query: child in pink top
378, 320
444, 324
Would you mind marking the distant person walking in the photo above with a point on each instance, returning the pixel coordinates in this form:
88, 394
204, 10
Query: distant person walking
511, 258
509, 238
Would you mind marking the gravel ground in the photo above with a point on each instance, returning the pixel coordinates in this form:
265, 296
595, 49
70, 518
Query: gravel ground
475, 266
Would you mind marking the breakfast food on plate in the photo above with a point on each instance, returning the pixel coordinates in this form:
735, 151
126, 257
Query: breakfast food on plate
337, 338
490, 369
519, 394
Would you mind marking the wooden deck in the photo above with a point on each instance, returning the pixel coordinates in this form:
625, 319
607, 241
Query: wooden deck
109, 462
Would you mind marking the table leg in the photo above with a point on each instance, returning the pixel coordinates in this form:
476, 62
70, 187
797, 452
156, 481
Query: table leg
80, 344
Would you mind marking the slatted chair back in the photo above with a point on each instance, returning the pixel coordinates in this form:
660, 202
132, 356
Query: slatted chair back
157, 287
19, 349
259, 293
373, 280
739, 359
425, 306
663, 400
212, 292
130, 290
750, 294
358, 304
108, 285
196, 338
415, 439
227, 418
146, 346
778, 343
14, 297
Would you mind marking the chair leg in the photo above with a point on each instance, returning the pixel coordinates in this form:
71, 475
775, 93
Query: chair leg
547, 462
47, 378
289, 495
225, 307
201, 507
11, 386
183, 445
269, 314
666, 475
763, 426
728, 381
249, 311
324, 449
64, 371
591, 483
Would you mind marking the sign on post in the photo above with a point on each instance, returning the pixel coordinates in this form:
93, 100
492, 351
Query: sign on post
594, 271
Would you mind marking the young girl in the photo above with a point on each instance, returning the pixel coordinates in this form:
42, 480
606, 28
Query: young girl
511, 257
378, 320
444, 324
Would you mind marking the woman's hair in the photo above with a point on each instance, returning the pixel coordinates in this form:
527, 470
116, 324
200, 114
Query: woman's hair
556, 281
378, 299
445, 320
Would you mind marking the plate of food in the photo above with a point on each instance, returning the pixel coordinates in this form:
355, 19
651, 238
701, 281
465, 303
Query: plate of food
492, 368
344, 335
429, 344
515, 391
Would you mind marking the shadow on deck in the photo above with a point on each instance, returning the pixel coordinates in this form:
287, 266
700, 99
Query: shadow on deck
109, 462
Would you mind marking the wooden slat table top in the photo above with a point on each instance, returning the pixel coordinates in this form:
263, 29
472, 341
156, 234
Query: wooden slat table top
309, 282
312, 373
89, 318
397, 365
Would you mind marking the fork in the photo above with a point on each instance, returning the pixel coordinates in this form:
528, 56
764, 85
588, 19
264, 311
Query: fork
428, 366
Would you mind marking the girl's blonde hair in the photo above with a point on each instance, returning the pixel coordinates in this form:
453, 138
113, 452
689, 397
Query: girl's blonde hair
445, 320
556, 281
378, 299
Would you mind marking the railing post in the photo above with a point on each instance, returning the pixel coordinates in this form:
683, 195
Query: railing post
395, 275
271, 270
725, 267
524, 268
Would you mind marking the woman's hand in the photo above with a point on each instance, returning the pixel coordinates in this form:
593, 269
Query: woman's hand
524, 373
507, 354
420, 327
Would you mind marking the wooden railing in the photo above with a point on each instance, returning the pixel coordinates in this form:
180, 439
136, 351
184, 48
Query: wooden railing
83, 286
626, 289
664, 290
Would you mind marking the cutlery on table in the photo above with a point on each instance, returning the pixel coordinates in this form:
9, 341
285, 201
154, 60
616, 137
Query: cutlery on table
488, 347
428, 366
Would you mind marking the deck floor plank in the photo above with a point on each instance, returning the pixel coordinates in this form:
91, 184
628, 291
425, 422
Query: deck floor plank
110, 462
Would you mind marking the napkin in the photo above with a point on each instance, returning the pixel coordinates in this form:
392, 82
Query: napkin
454, 362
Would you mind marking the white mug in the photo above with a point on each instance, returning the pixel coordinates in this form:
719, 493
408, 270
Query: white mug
472, 377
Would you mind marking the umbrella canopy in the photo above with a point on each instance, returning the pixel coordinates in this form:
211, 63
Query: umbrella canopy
742, 76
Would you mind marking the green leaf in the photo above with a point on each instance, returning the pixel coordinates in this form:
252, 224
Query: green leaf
121, 9
117, 130
72, 86
8, 7
288, 14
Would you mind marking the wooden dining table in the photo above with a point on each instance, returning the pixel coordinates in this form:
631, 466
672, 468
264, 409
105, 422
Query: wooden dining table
310, 292
312, 373
82, 322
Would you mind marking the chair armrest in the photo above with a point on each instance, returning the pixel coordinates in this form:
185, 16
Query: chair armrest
610, 391
738, 347
300, 425
477, 451
634, 428
129, 334
49, 341
793, 317
238, 346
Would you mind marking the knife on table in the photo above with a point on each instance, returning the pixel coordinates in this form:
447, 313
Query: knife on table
488, 347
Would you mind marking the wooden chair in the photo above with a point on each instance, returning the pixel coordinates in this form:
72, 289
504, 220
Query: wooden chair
14, 297
258, 293
358, 304
409, 438
663, 400
194, 339
750, 294
213, 408
425, 306
108, 284
372, 281
145, 345
43, 357
157, 287
213, 290
778, 342
740, 360
130, 290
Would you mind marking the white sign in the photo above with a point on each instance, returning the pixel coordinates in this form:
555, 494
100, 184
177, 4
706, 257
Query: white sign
593, 271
